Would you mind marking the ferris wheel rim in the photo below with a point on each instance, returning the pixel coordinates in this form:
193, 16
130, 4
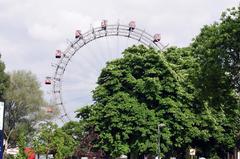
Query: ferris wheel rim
93, 34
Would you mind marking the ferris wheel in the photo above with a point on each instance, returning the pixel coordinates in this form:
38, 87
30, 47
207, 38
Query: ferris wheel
64, 57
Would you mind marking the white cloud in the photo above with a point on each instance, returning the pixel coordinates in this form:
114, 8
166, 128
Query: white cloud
44, 32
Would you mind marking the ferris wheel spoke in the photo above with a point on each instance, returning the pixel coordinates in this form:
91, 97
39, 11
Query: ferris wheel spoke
79, 79
82, 87
100, 52
85, 61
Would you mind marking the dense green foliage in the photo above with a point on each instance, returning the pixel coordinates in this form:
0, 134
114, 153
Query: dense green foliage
137, 92
74, 129
25, 106
4, 80
211, 119
22, 144
217, 50
51, 139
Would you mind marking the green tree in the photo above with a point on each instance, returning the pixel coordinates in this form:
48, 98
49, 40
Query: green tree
74, 129
25, 106
51, 139
4, 80
217, 47
22, 143
135, 94
217, 50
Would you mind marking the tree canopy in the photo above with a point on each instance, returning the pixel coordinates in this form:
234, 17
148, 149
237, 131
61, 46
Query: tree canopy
135, 94
217, 51
51, 139
25, 106
4, 80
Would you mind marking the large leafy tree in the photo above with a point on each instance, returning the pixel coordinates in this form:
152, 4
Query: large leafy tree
217, 50
135, 94
25, 106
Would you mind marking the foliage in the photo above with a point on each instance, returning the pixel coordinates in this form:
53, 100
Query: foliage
25, 105
22, 144
74, 129
137, 92
217, 50
128, 126
217, 47
51, 139
83, 136
4, 80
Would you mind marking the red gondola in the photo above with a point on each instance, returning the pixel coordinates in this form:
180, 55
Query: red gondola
58, 54
104, 24
48, 80
156, 38
132, 26
49, 110
78, 34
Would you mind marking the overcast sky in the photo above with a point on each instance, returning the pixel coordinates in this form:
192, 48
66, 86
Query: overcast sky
31, 31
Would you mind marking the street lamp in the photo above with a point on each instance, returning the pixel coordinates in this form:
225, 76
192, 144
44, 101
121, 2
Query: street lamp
159, 139
1, 128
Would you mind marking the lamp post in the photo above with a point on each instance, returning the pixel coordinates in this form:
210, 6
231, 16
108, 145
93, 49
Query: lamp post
159, 139
1, 128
